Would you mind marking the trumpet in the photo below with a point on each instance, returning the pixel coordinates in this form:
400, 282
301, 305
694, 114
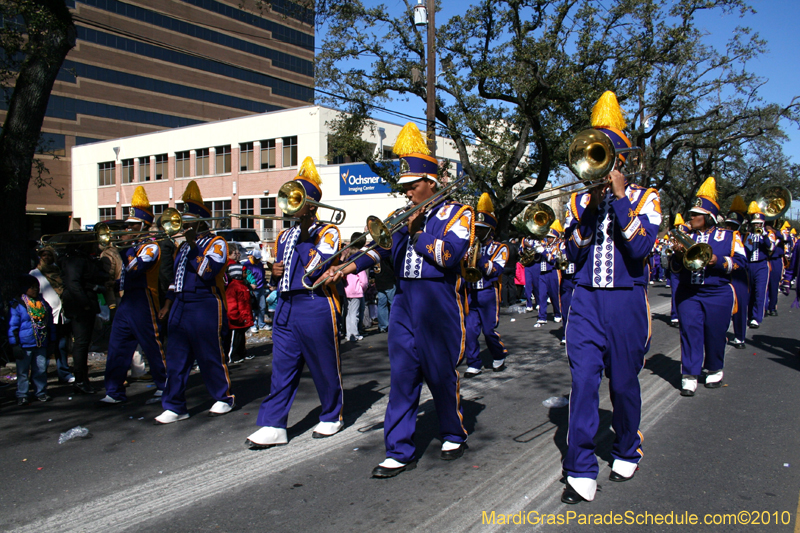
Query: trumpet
592, 156
696, 255
382, 231
562, 263
471, 271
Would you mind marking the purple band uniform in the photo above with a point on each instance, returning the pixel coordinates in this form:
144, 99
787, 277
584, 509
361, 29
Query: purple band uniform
775, 269
136, 321
198, 320
609, 247
757, 248
426, 325
484, 305
706, 301
304, 329
549, 281
532, 273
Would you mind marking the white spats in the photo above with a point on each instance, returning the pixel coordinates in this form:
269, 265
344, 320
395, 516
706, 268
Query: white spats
689, 383
624, 468
168, 417
327, 429
448, 446
584, 486
109, 399
557, 319
714, 377
391, 463
269, 436
220, 408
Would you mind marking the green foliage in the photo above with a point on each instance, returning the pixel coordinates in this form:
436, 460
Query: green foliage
518, 79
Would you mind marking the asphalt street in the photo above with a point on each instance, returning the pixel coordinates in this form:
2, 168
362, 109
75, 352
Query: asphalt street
729, 455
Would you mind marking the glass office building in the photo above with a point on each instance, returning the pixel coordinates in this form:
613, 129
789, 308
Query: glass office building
146, 65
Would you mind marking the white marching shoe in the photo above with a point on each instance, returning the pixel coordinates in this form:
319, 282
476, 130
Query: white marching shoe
109, 399
557, 319
584, 486
326, 429
219, 409
267, 437
714, 380
688, 385
168, 417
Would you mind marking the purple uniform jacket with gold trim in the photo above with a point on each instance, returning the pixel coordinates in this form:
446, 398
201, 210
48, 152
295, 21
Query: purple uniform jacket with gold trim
562, 246
204, 267
492, 261
141, 268
777, 242
757, 247
435, 251
547, 256
727, 246
610, 246
304, 257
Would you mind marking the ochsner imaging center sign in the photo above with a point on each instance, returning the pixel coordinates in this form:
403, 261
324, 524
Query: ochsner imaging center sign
360, 179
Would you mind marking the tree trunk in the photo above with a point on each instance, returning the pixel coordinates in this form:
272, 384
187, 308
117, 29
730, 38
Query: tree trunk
51, 35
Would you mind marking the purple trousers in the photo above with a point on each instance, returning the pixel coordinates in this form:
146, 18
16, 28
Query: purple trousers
135, 323
741, 288
674, 283
483, 317
759, 279
196, 327
705, 312
426, 341
549, 288
596, 343
567, 288
304, 332
532, 274
775, 277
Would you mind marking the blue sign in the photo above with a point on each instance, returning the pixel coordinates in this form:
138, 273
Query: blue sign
360, 179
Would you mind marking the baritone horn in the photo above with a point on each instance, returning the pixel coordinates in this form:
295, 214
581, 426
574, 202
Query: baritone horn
592, 156
696, 255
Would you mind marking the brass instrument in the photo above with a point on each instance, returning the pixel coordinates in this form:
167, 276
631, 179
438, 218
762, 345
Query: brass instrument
774, 202
382, 231
471, 271
696, 254
292, 197
528, 256
592, 156
537, 217
101, 234
562, 263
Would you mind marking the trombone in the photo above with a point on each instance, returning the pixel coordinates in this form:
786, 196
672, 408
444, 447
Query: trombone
592, 155
292, 198
537, 217
382, 231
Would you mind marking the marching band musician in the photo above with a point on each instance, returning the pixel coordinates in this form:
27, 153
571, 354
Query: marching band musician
706, 299
304, 328
778, 243
426, 325
757, 247
567, 280
198, 317
136, 321
484, 295
740, 278
527, 249
674, 277
793, 254
610, 231
549, 277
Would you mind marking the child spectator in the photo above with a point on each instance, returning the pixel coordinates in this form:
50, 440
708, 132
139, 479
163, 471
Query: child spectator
30, 332
240, 314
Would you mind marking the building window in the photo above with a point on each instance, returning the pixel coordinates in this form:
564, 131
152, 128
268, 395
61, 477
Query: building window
268, 155
388, 153
223, 159
127, 171
290, 151
106, 213
161, 166
268, 209
144, 168
246, 157
105, 173
247, 207
182, 164
219, 208
201, 162
158, 209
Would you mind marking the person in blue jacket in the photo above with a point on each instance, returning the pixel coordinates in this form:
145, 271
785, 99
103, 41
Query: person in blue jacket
484, 294
31, 333
706, 300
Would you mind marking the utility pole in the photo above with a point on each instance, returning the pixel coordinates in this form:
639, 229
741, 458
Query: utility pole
431, 81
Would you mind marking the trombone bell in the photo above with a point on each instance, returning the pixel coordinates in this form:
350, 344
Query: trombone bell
537, 218
292, 197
